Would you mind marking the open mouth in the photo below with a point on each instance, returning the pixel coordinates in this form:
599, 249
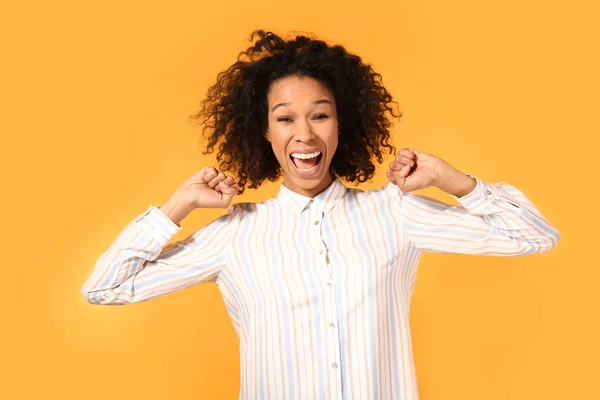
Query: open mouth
306, 163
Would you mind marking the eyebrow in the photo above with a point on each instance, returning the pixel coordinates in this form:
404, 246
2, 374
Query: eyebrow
314, 102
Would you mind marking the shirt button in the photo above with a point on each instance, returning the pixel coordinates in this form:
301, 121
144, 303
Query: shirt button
331, 325
316, 222
334, 365
488, 192
321, 251
329, 285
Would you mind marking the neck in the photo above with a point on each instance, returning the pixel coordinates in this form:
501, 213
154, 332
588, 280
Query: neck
310, 192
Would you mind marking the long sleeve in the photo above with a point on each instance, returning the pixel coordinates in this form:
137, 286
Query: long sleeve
494, 219
139, 266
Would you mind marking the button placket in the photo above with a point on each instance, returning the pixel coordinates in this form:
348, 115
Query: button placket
334, 355
316, 217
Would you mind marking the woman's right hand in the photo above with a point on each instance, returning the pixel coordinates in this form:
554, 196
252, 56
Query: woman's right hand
207, 188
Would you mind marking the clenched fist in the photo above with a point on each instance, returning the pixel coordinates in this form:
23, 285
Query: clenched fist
414, 170
208, 188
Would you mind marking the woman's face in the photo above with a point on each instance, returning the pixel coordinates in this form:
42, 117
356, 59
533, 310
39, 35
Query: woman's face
303, 131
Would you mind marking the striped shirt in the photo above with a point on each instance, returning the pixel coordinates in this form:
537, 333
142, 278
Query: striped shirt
319, 289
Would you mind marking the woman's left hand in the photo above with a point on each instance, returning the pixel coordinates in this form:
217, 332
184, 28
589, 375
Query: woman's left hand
414, 170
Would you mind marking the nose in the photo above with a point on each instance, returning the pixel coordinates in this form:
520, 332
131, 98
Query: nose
305, 132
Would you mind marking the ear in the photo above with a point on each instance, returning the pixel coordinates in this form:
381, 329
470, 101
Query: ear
267, 136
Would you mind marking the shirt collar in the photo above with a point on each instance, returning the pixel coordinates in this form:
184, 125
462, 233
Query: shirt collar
325, 200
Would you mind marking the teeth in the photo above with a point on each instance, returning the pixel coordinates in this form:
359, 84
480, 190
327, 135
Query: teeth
306, 156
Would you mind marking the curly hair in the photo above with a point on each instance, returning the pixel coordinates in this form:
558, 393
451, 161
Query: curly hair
235, 109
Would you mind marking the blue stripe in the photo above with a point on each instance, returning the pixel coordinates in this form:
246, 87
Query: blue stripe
241, 312
208, 233
177, 273
287, 326
242, 249
315, 286
341, 306
118, 262
370, 304
393, 255
444, 230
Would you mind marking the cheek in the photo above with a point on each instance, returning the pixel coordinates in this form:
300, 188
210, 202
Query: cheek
278, 144
332, 140
332, 144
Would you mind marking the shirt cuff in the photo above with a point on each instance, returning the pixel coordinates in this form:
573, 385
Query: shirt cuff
479, 198
161, 227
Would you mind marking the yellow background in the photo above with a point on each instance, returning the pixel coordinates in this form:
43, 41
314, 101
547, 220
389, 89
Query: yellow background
95, 99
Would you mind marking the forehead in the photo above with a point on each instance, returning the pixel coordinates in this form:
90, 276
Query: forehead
295, 89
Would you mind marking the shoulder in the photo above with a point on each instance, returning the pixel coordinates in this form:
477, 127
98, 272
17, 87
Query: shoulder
247, 209
386, 191
372, 200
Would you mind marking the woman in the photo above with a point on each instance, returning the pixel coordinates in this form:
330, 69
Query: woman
317, 281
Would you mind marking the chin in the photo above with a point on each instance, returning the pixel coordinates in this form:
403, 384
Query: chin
309, 183
309, 187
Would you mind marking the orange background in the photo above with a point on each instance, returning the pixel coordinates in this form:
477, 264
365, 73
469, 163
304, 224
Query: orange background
95, 99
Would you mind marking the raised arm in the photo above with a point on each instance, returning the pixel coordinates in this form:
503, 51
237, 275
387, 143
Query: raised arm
139, 265
492, 219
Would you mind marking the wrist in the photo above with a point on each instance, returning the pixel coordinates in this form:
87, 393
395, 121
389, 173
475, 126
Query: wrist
454, 182
176, 210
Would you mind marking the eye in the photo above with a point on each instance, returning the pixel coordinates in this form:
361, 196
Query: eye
321, 115
284, 119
